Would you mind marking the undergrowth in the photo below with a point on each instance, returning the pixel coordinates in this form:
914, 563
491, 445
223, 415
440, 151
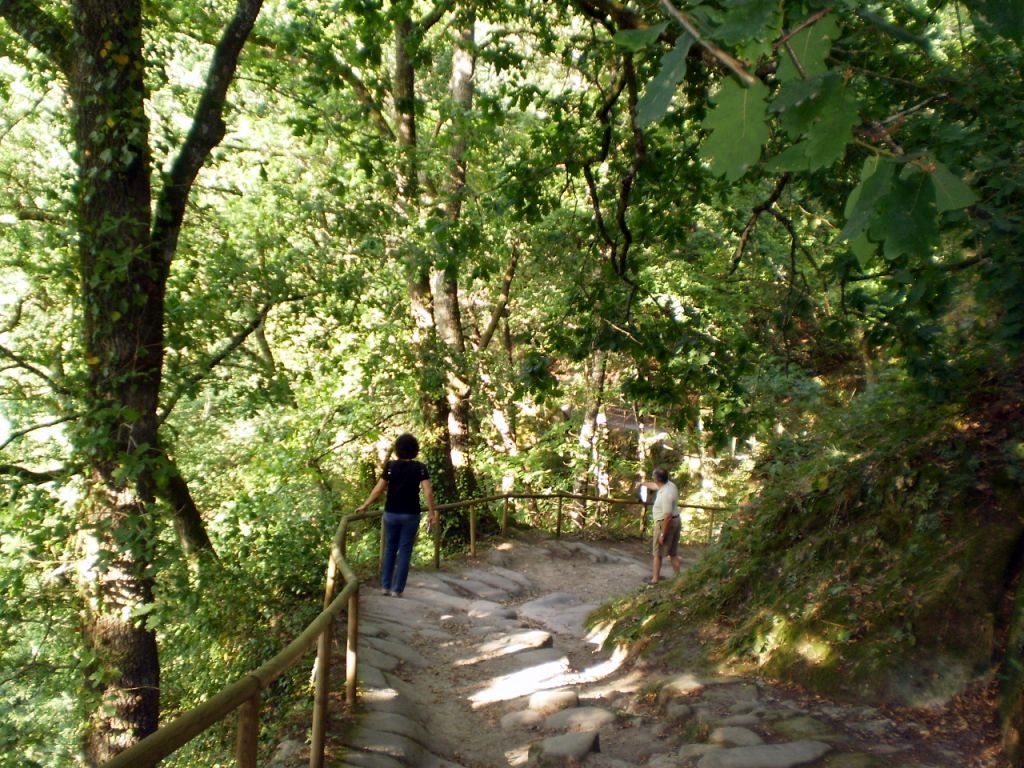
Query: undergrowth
876, 558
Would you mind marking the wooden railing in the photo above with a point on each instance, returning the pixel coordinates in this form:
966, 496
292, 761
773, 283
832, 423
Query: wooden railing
244, 694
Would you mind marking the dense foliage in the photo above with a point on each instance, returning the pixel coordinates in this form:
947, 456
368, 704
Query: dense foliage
243, 245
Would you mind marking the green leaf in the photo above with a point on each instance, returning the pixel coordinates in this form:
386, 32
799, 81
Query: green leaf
811, 47
864, 250
737, 129
876, 177
909, 225
1004, 17
951, 193
658, 95
636, 40
745, 20
820, 115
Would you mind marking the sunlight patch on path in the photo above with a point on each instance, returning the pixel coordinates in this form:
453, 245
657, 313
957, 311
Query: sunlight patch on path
545, 676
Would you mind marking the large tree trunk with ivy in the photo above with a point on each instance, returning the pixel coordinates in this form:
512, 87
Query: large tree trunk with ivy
122, 309
124, 256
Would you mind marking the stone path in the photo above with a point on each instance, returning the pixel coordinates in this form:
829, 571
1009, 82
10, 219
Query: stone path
483, 666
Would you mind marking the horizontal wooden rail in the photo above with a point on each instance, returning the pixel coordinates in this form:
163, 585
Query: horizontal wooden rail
244, 693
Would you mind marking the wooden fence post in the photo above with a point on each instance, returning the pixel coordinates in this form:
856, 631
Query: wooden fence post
351, 649
248, 732
558, 519
322, 689
472, 531
504, 518
437, 546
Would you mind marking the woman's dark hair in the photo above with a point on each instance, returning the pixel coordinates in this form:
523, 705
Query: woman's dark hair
407, 446
660, 475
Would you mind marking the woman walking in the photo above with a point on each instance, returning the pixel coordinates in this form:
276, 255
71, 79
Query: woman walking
402, 479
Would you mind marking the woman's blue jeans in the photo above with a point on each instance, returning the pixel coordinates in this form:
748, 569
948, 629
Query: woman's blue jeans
399, 535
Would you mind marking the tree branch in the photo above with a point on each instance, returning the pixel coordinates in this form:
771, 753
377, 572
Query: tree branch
207, 130
435, 15
956, 266
621, 16
20, 433
365, 97
23, 363
188, 523
35, 214
639, 155
810, 21
730, 62
15, 318
233, 344
755, 214
499, 309
28, 475
40, 30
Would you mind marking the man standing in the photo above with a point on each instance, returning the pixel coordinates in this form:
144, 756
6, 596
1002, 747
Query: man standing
666, 525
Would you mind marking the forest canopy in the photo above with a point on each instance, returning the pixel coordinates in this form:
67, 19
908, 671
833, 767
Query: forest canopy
244, 244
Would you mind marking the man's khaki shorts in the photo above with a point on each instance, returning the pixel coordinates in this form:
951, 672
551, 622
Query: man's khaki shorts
670, 547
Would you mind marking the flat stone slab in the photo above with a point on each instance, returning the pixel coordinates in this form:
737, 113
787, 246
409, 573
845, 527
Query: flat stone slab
685, 684
487, 609
372, 657
398, 650
391, 722
559, 612
429, 581
734, 736
741, 720
525, 718
851, 760
677, 710
766, 755
519, 578
511, 587
803, 727
408, 614
353, 759
385, 700
371, 677
502, 644
524, 660
384, 742
689, 751
486, 626
471, 586
730, 693
544, 668
433, 598
594, 554
574, 746
579, 719
546, 702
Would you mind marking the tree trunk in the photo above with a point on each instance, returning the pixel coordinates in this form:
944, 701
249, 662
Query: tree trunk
587, 454
444, 280
124, 252
122, 305
433, 408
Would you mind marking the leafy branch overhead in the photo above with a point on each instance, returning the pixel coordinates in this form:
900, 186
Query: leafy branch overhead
806, 116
